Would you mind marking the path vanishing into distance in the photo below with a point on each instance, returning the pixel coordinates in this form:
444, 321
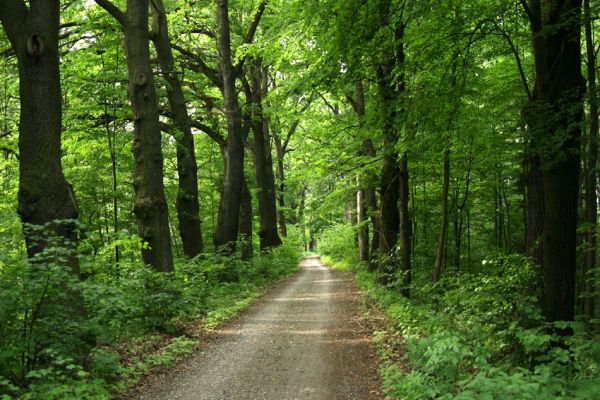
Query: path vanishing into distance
303, 340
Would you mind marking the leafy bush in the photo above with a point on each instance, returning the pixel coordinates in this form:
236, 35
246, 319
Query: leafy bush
476, 336
60, 337
338, 243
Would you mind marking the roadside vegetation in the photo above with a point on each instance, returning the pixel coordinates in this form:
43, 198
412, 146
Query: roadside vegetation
473, 335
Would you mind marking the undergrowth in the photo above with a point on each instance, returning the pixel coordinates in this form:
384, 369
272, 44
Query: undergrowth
474, 336
62, 338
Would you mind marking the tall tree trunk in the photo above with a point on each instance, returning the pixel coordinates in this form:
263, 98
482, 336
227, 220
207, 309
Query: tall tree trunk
367, 188
591, 205
281, 193
187, 196
363, 229
45, 198
301, 217
229, 208
437, 270
405, 227
556, 112
390, 218
263, 163
150, 206
373, 211
246, 245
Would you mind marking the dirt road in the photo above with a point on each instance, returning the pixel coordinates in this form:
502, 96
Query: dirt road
304, 340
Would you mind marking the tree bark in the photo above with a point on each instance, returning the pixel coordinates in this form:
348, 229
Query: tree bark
591, 205
367, 188
187, 205
263, 162
556, 113
372, 210
437, 270
390, 218
405, 227
246, 245
150, 203
229, 207
45, 198
363, 229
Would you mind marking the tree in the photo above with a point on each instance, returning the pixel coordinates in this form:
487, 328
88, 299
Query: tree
591, 204
187, 169
554, 115
150, 203
46, 200
390, 174
263, 161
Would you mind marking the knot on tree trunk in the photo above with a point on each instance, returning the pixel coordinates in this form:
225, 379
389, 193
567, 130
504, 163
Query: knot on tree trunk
140, 79
35, 45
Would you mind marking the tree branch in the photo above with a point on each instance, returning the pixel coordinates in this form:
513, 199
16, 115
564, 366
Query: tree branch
200, 66
527, 9
13, 14
212, 133
113, 10
517, 58
249, 37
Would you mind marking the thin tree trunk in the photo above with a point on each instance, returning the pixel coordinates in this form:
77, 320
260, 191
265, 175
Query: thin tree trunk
368, 190
187, 204
437, 271
405, 227
301, 216
111, 136
363, 229
592, 161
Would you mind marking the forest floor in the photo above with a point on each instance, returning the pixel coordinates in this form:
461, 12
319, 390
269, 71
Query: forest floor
305, 339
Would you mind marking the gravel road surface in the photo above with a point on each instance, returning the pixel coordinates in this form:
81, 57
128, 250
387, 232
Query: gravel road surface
303, 340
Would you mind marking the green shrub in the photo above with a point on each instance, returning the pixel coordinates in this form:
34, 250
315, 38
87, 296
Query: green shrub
338, 243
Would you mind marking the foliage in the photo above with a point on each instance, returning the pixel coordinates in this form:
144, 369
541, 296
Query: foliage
39, 326
481, 336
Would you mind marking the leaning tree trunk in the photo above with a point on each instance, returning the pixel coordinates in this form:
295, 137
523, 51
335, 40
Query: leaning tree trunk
45, 198
263, 163
187, 196
557, 112
229, 207
592, 161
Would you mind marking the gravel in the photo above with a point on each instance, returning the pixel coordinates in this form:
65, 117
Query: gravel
303, 340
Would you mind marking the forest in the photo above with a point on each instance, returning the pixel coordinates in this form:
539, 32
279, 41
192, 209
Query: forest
162, 162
